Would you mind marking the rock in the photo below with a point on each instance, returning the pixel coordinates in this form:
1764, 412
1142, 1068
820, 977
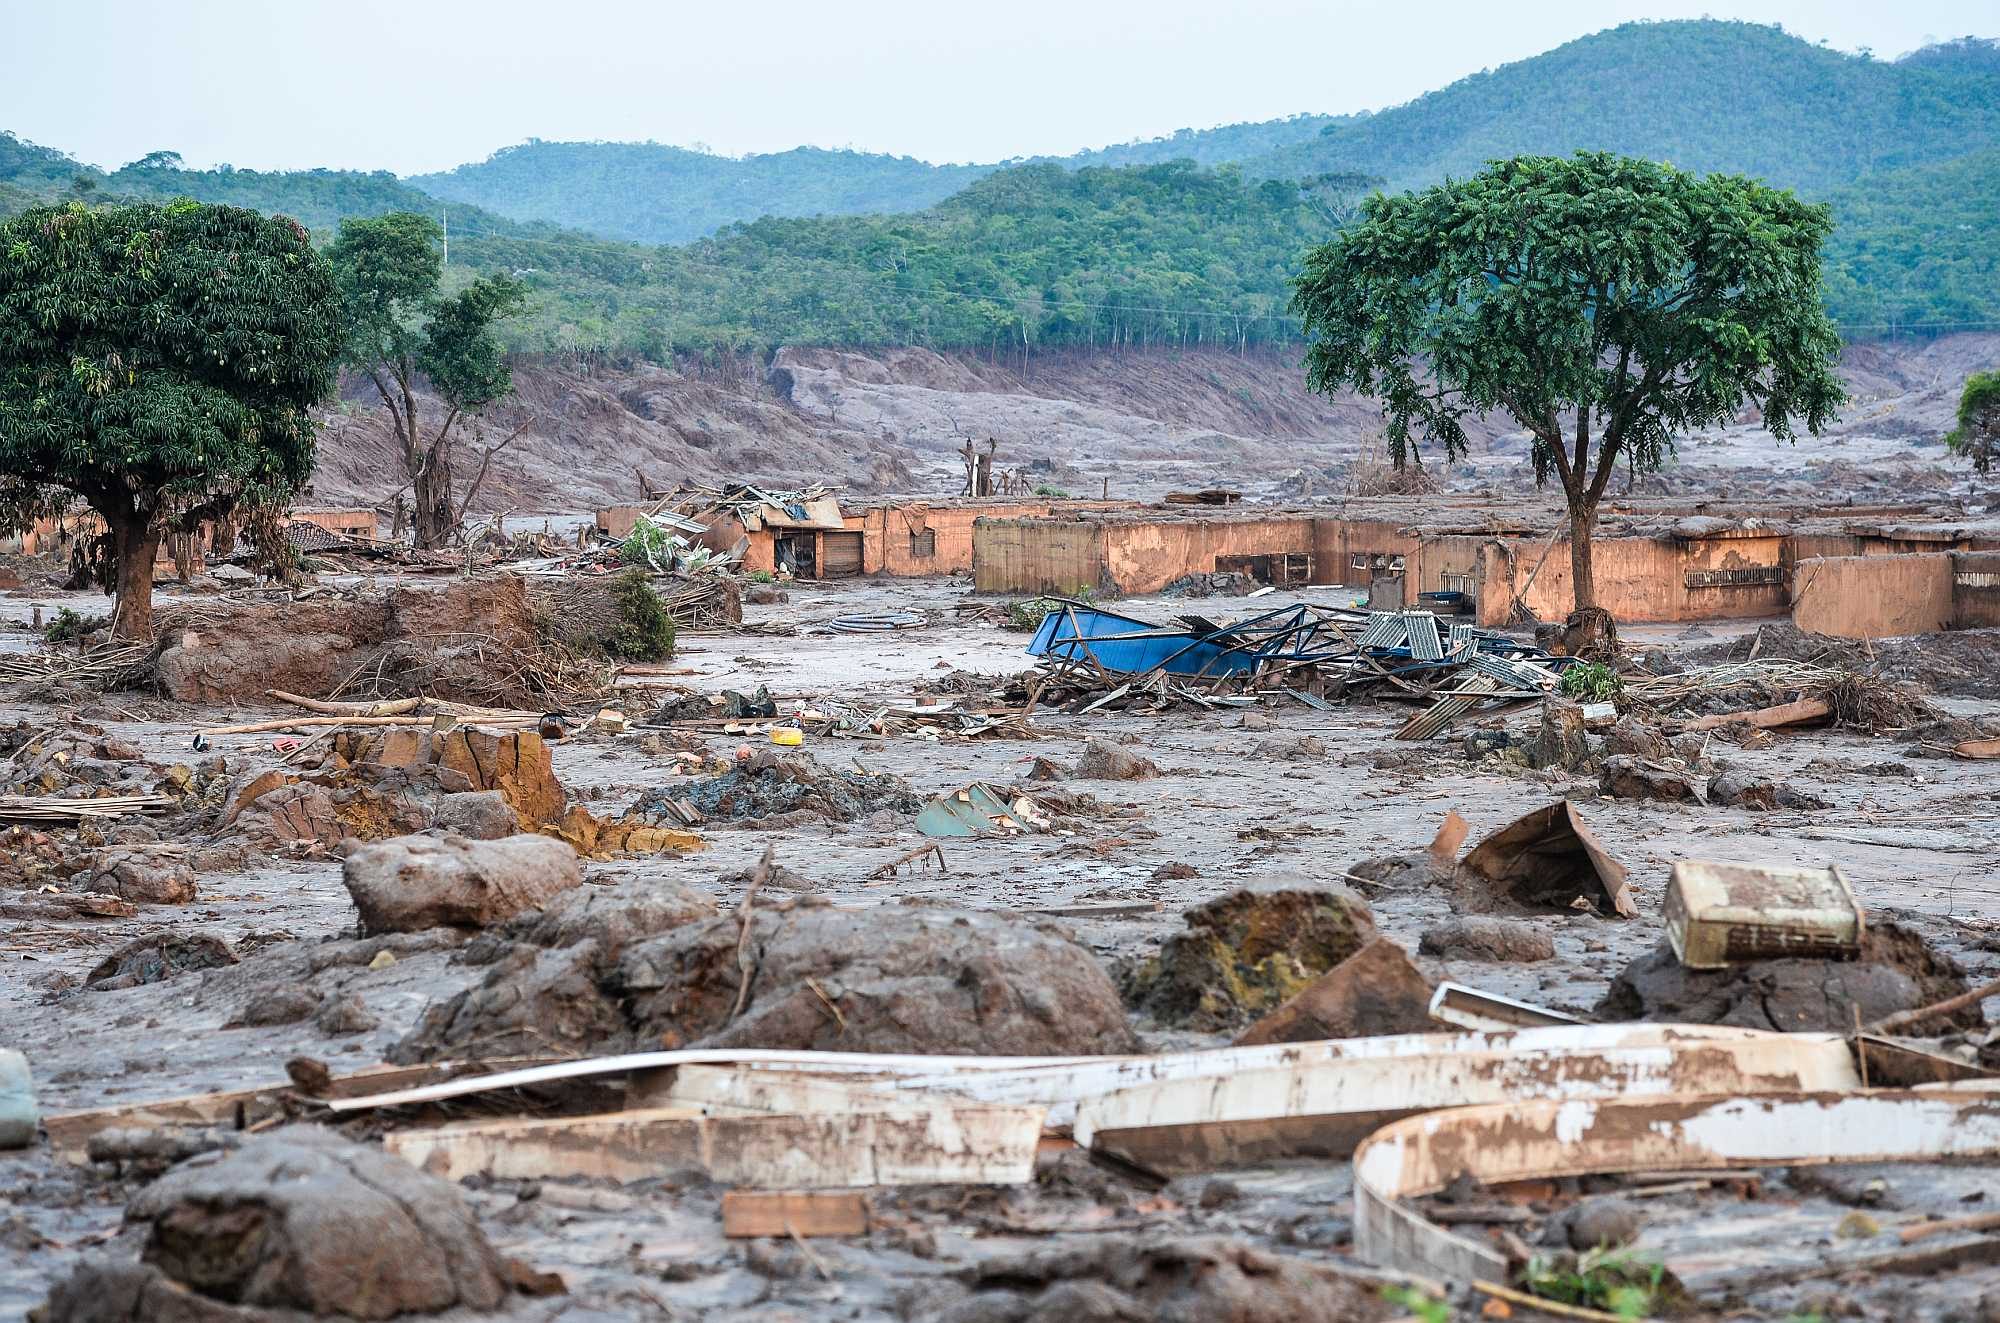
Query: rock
1629, 778
343, 1015
144, 875
1255, 721
250, 787
477, 815
1560, 741
1604, 1222
617, 916
415, 882
1245, 954
1500, 941
515, 763
1374, 991
1104, 761
288, 814
1739, 787
276, 1006
1897, 971
296, 1220
1110, 1279
158, 956
912, 978
1293, 747
1633, 738
18, 1117
1175, 871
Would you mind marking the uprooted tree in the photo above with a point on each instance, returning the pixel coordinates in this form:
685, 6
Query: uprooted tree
159, 362
403, 333
1605, 303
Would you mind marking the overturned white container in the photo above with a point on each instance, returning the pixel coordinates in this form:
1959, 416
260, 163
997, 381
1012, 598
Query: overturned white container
17, 1101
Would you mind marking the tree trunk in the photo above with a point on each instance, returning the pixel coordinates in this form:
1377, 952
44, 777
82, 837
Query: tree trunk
136, 545
1582, 523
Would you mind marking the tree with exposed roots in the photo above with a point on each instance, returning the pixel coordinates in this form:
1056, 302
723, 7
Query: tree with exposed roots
1606, 304
159, 362
403, 331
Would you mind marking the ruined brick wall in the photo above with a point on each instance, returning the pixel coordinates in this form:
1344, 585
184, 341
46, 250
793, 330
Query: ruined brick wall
1872, 597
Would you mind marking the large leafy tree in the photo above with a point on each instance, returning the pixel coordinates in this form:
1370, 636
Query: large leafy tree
159, 362
403, 332
1607, 304
1977, 435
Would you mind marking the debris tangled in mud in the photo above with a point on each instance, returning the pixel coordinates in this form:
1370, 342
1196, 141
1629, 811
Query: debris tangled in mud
772, 790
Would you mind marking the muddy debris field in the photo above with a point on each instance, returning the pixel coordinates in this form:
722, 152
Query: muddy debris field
366, 952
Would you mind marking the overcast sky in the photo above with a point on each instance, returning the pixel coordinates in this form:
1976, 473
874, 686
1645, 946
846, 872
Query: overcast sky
416, 85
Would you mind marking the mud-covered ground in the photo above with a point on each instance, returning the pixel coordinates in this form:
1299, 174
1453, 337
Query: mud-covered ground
1917, 837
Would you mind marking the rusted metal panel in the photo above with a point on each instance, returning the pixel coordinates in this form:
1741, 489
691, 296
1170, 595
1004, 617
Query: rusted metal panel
1718, 913
976, 1145
1517, 1141
1323, 1108
1469, 1008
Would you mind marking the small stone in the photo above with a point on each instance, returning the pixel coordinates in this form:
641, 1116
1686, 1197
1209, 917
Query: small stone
276, 1006
382, 960
1604, 1222
1478, 937
1104, 761
345, 1014
1857, 1225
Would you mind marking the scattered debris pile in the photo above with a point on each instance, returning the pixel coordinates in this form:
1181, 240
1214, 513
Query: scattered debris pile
770, 790
1092, 659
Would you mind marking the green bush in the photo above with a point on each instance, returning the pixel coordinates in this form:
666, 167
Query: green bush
644, 632
1604, 1279
1027, 616
1591, 682
68, 626
762, 576
1053, 492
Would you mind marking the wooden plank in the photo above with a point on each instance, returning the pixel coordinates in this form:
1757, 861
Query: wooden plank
1977, 748
971, 1145
1764, 718
747, 1213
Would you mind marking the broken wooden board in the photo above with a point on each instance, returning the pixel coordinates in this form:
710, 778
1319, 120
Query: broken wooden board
749, 1213
69, 1132
934, 1145
1977, 749
1323, 1109
1573, 1137
1462, 1007
1550, 853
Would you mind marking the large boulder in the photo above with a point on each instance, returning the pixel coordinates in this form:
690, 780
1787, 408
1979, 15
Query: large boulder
1249, 952
297, 1220
415, 882
912, 979
1104, 761
142, 874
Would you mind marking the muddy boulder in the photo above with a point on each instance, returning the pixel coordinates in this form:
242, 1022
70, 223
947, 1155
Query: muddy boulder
416, 882
912, 978
1174, 1279
1897, 971
1633, 778
1104, 761
298, 1220
142, 874
477, 815
616, 916
1245, 954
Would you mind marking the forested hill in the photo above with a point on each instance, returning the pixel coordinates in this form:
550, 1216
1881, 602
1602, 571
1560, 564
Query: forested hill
655, 194
1704, 95
1053, 253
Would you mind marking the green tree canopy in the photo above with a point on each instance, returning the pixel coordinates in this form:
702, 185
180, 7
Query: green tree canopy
1605, 303
1977, 435
402, 331
159, 362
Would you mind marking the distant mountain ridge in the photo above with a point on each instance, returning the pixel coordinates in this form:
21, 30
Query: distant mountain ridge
1188, 239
